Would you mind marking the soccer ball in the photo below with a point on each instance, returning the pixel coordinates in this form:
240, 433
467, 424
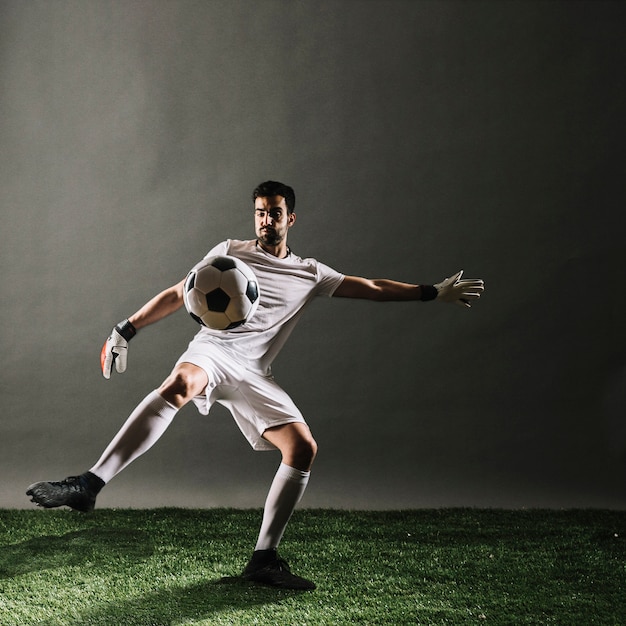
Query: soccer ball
221, 292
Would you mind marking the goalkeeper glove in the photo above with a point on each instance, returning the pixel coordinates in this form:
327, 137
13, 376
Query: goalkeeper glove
115, 348
455, 290
460, 291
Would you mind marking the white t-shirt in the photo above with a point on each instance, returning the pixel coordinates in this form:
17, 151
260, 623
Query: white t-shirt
287, 286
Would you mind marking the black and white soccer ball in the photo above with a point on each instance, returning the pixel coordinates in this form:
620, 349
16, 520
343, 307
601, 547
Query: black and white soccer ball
221, 292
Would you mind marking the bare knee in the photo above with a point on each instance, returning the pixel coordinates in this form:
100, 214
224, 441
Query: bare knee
303, 453
185, 382
295, 443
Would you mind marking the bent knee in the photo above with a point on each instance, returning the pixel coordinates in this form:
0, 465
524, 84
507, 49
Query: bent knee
304, 452
183, 384
295, 442
312, 445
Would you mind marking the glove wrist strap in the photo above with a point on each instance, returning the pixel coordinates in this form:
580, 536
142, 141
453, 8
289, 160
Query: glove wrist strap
429, 292
126, 329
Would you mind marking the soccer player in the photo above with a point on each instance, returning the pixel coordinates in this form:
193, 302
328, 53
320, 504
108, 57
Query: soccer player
233, 368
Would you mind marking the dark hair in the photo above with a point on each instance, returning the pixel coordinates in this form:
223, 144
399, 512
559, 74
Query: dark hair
274, 188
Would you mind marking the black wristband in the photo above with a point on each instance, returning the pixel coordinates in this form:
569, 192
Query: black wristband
429, 292
126, 329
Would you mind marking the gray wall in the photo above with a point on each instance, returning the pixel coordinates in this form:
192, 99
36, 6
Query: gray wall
421, 138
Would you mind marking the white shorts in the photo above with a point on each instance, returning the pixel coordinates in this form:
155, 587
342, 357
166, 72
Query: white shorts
256, 401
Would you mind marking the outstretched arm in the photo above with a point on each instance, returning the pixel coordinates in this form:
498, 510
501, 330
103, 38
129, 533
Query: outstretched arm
379, 289
162, 305
453, 289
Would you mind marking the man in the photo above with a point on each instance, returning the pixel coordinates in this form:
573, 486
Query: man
234, 369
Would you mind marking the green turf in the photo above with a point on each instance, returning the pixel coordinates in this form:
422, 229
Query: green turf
175, 566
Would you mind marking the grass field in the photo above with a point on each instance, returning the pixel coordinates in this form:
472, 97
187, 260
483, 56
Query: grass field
178, 566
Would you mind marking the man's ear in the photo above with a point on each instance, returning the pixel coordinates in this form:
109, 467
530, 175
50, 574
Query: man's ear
292, 219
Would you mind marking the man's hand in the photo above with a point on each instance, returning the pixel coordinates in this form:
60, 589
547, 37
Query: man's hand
459, 291
115, 348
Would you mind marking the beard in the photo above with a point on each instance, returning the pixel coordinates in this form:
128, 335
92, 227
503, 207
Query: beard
270, 237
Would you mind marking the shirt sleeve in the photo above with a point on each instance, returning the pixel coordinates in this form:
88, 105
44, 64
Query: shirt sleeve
328, 279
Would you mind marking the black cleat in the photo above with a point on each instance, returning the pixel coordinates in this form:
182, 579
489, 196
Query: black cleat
266, 568
77, 492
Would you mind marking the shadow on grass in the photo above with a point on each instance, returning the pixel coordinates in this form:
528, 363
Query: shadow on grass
99, 548
76, 548
177, 604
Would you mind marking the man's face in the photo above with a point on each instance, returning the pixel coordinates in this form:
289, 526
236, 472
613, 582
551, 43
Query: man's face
272, 220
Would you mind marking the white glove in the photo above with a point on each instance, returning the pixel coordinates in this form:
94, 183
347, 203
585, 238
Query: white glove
115, 348
459, 291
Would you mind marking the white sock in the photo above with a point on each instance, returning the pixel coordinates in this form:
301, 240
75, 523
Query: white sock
140, 432
287, 488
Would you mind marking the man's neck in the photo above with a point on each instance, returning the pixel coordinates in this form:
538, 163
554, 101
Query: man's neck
280, 250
